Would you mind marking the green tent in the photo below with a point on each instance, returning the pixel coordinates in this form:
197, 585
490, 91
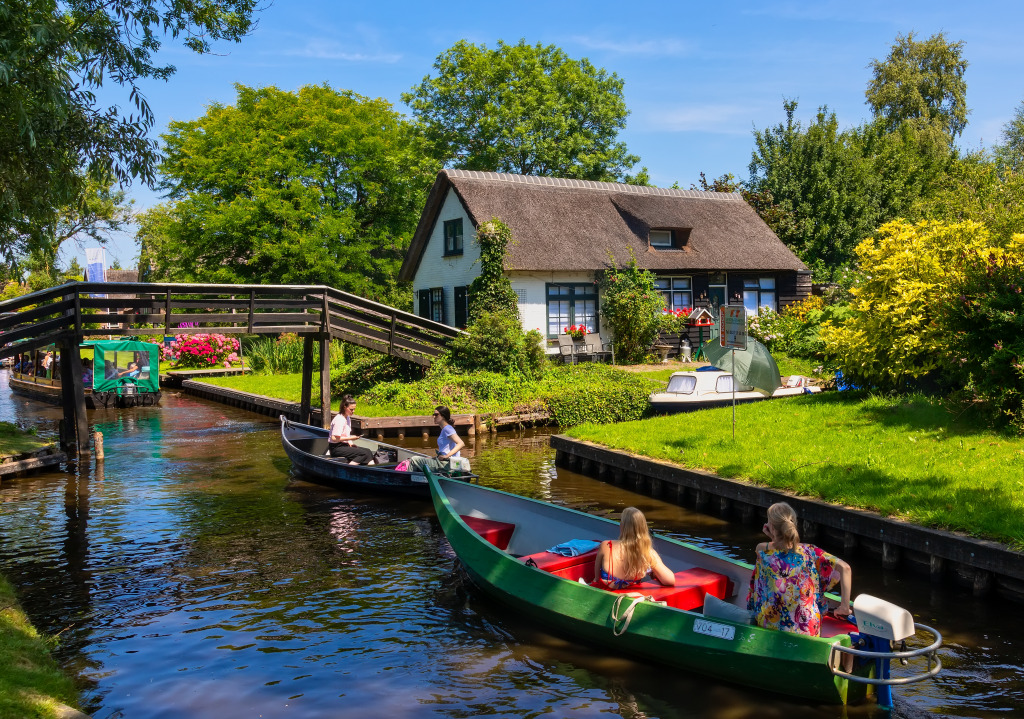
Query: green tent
125, 366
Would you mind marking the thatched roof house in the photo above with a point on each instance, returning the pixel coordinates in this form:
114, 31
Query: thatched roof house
705, 247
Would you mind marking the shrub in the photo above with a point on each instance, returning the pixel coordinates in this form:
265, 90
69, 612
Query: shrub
891, 335
595, 393
985, 319
201, 350
496, 343
632, 307
369, 370
491, 290
283, 354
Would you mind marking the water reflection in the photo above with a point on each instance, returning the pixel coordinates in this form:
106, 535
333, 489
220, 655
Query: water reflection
190, 575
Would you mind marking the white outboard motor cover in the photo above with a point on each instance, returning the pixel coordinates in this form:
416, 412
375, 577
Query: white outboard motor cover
880, 618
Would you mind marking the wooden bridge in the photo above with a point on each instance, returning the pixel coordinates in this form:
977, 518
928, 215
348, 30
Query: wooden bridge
65, 315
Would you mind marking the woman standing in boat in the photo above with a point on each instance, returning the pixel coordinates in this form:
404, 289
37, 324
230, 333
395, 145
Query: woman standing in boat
788, 585
632, 558
341, 441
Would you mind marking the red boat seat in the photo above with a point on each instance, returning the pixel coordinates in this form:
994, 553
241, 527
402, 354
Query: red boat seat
833, 626
688, 593
551, 561
497, 533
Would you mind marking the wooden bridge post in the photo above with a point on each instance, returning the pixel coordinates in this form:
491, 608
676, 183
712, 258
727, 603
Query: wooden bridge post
305, 400
73, 396
325, 364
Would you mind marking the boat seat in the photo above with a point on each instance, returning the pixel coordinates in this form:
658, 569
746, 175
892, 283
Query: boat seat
833, 626
497, 533
552, 561
688, 593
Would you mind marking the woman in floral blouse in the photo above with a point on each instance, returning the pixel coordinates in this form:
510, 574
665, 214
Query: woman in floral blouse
787, 588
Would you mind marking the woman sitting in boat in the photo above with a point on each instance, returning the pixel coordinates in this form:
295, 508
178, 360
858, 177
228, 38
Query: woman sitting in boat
788, 585
341, 442
449, 444
632, 558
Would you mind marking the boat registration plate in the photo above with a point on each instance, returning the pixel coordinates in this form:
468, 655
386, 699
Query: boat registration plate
713, 629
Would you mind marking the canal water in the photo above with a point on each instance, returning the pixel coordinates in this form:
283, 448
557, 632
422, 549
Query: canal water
191, 575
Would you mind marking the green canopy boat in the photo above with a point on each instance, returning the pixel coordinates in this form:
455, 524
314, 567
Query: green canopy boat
501, 541
122, 373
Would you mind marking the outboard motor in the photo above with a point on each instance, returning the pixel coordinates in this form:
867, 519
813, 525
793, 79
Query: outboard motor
882, 631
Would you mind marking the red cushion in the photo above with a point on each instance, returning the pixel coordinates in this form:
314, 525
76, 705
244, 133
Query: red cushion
833, 627
497, 533
551, 561
691, 586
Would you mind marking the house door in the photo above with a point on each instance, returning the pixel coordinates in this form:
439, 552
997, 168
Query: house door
717, 291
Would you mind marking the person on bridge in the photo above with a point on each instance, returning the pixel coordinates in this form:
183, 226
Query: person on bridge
789, 581
341, 442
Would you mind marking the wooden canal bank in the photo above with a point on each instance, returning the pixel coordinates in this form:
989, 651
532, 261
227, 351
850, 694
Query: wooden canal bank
378, 427
984, 567
18, 465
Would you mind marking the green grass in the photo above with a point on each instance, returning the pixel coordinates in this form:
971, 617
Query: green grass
289, 388
14, 440
31, 684
906, 457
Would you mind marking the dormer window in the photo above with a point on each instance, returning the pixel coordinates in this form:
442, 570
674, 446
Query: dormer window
665, 239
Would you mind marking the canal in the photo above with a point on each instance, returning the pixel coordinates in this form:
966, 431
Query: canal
190, 575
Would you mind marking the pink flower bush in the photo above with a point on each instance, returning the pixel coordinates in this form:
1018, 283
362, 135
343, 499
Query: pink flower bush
202, 351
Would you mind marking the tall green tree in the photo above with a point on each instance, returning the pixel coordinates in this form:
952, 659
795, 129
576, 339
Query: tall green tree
921, 82
527, 109
1010, 153
54, 132
313, 186
816, 178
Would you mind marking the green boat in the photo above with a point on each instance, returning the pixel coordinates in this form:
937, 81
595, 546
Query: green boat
501, 541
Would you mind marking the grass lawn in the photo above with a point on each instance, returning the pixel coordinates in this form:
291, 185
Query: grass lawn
289, 388
14, 440
31, 684
907, 457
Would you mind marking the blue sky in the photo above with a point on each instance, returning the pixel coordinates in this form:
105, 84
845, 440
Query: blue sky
698, 76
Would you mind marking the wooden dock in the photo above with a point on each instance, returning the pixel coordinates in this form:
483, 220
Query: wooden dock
17, 465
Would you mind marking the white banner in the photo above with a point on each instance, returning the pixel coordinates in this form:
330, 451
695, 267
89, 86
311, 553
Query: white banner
95, 264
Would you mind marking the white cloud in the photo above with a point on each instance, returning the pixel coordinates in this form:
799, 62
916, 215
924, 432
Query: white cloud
653, 47
331, 50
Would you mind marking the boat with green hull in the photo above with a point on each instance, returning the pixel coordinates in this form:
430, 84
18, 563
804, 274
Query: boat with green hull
501, 541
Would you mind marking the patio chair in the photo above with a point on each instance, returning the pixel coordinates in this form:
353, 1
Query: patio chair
567, 348
597, 349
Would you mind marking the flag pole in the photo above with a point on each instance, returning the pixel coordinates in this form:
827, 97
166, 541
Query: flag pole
734, 395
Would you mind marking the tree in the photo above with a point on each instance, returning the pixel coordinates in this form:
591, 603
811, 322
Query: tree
53, 131
100, 211
631, 305
310, 187
1010, 154
921, 82
527, 109
815, 179
781, 221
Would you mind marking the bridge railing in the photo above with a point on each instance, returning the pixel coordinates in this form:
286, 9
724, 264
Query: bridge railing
87, 309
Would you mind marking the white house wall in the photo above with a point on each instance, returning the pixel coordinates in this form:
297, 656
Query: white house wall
436, 270
534, 310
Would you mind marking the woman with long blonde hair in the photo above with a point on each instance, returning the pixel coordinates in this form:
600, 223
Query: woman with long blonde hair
631, 559
788, 585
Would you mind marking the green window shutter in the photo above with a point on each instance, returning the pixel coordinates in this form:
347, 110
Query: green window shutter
425, 303
461, 306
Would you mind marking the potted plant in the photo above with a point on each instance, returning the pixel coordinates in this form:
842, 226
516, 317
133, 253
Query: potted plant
577, 332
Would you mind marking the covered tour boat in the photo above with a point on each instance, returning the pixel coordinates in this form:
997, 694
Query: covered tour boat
501, 541
306, 447
121, 373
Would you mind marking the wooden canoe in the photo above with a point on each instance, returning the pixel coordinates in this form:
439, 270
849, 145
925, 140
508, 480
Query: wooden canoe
498, 536
306, 447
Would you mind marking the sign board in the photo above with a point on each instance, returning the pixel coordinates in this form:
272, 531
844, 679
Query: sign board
732, 327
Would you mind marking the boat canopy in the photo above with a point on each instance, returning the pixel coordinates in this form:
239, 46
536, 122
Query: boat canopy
125, 366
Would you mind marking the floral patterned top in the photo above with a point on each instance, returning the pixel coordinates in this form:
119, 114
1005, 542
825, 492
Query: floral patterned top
787, 588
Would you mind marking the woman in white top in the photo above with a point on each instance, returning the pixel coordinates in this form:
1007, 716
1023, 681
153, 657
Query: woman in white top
341, 443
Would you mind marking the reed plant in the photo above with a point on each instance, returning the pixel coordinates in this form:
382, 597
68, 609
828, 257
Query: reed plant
907, 457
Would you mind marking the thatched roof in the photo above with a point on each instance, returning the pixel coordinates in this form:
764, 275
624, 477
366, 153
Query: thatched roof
560, 224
